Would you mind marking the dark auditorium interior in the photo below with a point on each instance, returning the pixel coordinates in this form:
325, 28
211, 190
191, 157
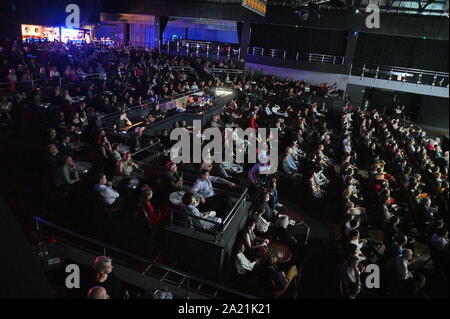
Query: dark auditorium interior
224, 149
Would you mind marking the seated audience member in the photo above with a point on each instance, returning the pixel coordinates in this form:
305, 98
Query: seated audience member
243, 265
122, 122
125, 167
413, 288
262, 225
278, 279
188, 205
106, 279
105, 189
52, 136
154, 216
97, 292
67, 177
54, 157
65, 147
428, 215
209, 200
172, 179
350, 273
401, 265
253, 243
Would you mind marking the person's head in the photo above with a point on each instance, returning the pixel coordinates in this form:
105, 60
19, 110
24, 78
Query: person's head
354, 223
401, 240
394, 220
352, 261
147, 194
265, 197
68, 161
204, 174
126, 156
188, 198
407, 254
103, 265
123, 116
283, 222
353, 234
419, 280
442, 232
97, 292
52, 148
102, 180
251, 225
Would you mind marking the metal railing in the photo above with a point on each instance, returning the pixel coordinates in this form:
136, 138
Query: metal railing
297, 56
208, 49
220, 228
400, 74
129, 260
59, 81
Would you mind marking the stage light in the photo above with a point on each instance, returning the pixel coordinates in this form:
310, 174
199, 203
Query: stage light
357, 11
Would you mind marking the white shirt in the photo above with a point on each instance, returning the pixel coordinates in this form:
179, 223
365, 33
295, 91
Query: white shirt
401, 266
109, 194
243, 265
261, 224
205, 188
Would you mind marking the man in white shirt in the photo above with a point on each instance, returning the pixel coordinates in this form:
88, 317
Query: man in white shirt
209, 200
105, 189
243, 265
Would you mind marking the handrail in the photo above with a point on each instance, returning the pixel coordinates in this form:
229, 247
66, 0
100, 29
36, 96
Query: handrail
394, 68
298, 56
39, 221
228, 219
149, 103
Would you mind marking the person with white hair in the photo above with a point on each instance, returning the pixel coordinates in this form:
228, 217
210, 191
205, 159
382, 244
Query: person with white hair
106, 279
97, 292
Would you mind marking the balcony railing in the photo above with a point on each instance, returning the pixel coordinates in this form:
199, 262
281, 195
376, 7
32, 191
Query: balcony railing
400, 74
296, 56
208, 49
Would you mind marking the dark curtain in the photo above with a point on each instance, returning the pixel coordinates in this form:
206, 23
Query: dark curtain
239, 27
297, 39
162, 26
402, 52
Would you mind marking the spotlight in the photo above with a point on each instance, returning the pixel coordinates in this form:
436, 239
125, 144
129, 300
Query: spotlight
357, 11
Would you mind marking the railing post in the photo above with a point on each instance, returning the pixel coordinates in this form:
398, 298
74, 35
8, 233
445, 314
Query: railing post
178, 46
376, 74
296, 57
434, 80
262, 52
390, 74
363, 70
420, 78
310, 57
284, 55
323, 58
218, 51
229, 51
334, 60
239, 54
207, 49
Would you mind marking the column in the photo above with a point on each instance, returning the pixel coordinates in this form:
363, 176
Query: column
245, 40
350, 51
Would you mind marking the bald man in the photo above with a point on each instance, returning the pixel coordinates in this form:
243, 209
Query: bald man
97, 292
